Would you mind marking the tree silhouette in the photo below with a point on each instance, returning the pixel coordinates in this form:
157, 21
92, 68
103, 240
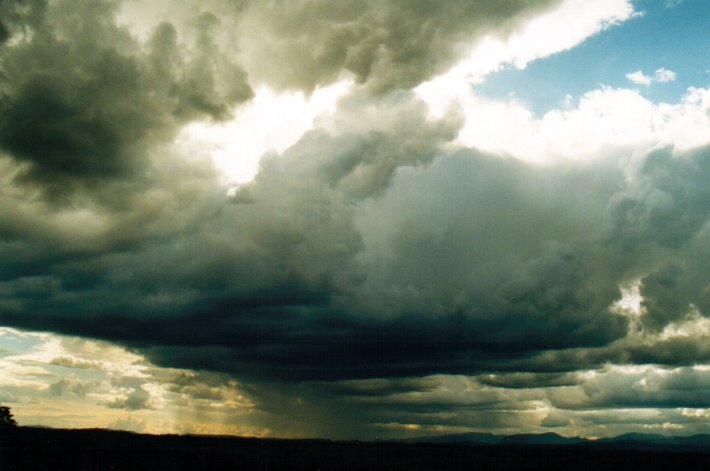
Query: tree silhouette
6, 419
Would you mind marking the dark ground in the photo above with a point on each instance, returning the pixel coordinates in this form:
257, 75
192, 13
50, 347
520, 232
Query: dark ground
26, 448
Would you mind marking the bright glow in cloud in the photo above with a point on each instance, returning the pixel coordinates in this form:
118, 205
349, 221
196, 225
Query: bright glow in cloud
631, 300
271, 121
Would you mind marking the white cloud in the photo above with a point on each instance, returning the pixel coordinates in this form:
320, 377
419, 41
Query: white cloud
664, 75
555, 31
604, 122
660, 75
639, 78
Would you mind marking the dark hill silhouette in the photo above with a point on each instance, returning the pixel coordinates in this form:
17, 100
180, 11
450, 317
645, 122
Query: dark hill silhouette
654, 441
541, 439
620, 441
470, 437
644, 437
27, 448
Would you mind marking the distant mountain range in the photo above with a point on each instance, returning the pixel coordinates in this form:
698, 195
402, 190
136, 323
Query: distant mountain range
625, 441
629, 440
29, 448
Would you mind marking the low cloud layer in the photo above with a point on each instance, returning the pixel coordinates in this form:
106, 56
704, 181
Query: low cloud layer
373, 258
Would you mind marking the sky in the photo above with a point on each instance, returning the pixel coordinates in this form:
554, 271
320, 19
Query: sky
357, 219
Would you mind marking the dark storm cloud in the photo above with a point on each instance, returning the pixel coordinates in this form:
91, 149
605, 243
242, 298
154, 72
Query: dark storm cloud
369, 249
387, 407
500, 244
83, 100
380, 387
302, 280
483, 263
405, 335
386, 44
263, 272
425, 325
666, 203
666, 210
530, 380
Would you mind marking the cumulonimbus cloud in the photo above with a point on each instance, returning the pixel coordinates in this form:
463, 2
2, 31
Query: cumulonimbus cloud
370, 248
